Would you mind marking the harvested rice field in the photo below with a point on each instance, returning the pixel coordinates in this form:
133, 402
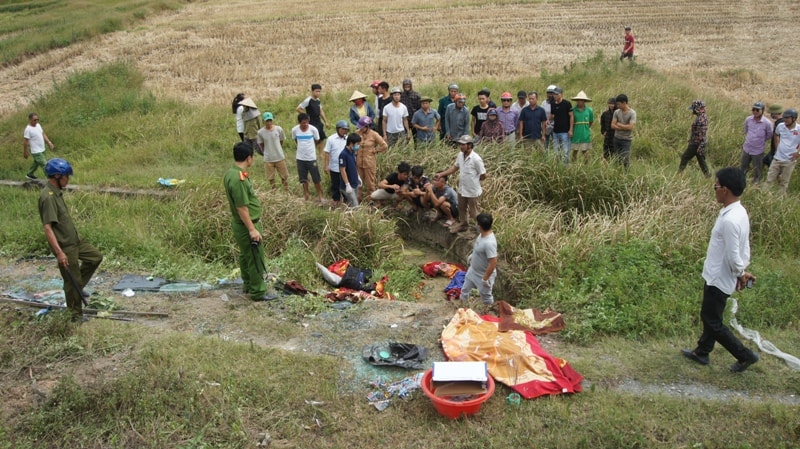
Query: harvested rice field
209, 50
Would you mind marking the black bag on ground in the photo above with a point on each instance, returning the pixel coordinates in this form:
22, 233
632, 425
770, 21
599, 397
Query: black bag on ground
357, 279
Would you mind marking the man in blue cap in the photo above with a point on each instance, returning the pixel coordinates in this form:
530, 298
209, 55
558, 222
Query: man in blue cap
77, 259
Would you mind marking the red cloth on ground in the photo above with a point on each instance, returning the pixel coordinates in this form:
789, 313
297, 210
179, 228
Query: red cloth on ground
514, 358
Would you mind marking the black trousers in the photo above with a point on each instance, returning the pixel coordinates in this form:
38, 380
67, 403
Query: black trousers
714, 330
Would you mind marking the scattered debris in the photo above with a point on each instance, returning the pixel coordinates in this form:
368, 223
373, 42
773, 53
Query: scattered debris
403, 389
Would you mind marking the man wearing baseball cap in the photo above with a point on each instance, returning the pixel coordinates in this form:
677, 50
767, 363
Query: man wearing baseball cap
472, 171
697, 138
521, 103
333, 146
426, 122
374, 86
757, 133
507, 117
270, 139
444, 102
563, 123
456, 119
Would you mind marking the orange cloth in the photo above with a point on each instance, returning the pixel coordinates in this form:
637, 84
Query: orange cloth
514, 358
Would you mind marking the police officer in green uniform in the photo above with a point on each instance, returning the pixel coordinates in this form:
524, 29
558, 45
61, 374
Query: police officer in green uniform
74, 255
246, 212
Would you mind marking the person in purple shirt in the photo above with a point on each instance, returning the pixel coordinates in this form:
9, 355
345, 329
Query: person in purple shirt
507, 116
757, 133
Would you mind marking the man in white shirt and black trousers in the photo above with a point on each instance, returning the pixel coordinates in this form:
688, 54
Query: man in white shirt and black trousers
727, 257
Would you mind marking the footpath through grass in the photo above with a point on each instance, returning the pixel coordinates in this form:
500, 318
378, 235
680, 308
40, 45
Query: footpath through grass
618, 253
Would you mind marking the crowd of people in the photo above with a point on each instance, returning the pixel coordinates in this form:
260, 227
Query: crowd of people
401, 116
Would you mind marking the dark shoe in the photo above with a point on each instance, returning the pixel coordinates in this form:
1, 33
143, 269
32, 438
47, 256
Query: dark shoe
738, 367
691, 355
267, 297
31, 177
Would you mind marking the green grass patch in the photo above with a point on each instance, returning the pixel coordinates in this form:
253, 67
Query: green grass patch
30, 28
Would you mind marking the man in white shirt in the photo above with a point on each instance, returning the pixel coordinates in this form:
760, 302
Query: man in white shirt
306, 136
727, 257
333, 146
787, 144
33, 145
472, 171
395, 119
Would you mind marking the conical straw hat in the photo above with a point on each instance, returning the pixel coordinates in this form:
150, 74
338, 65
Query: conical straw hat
249, 103
581, 96
356, 95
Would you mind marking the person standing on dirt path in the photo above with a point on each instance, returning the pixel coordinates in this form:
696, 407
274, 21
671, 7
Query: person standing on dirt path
245, 216
622, 122
77, 259
698, 138
33, 145
727, 258
627, 49
313, 107
757, 133
482, 269
270, 139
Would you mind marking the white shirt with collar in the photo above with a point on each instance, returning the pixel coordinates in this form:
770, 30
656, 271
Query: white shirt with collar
728, 253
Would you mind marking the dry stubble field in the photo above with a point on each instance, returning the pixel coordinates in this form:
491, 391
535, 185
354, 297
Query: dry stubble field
210, 50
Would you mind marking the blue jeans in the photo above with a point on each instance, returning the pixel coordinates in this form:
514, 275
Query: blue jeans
561, 145
622, 151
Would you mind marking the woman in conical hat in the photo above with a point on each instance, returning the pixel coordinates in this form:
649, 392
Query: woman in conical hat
360, 108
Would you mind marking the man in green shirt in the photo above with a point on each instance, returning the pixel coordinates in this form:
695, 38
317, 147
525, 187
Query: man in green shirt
77, 259
581, 132
246, 213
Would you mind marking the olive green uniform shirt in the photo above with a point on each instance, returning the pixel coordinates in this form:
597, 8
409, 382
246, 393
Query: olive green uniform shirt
53, 211
240, 193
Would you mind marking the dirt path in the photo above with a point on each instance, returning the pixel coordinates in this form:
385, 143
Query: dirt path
207, 51
338, 332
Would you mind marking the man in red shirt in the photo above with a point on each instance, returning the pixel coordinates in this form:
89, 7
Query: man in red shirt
627, 50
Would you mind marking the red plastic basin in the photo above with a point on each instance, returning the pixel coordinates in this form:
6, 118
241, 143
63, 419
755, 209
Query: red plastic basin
454, 409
